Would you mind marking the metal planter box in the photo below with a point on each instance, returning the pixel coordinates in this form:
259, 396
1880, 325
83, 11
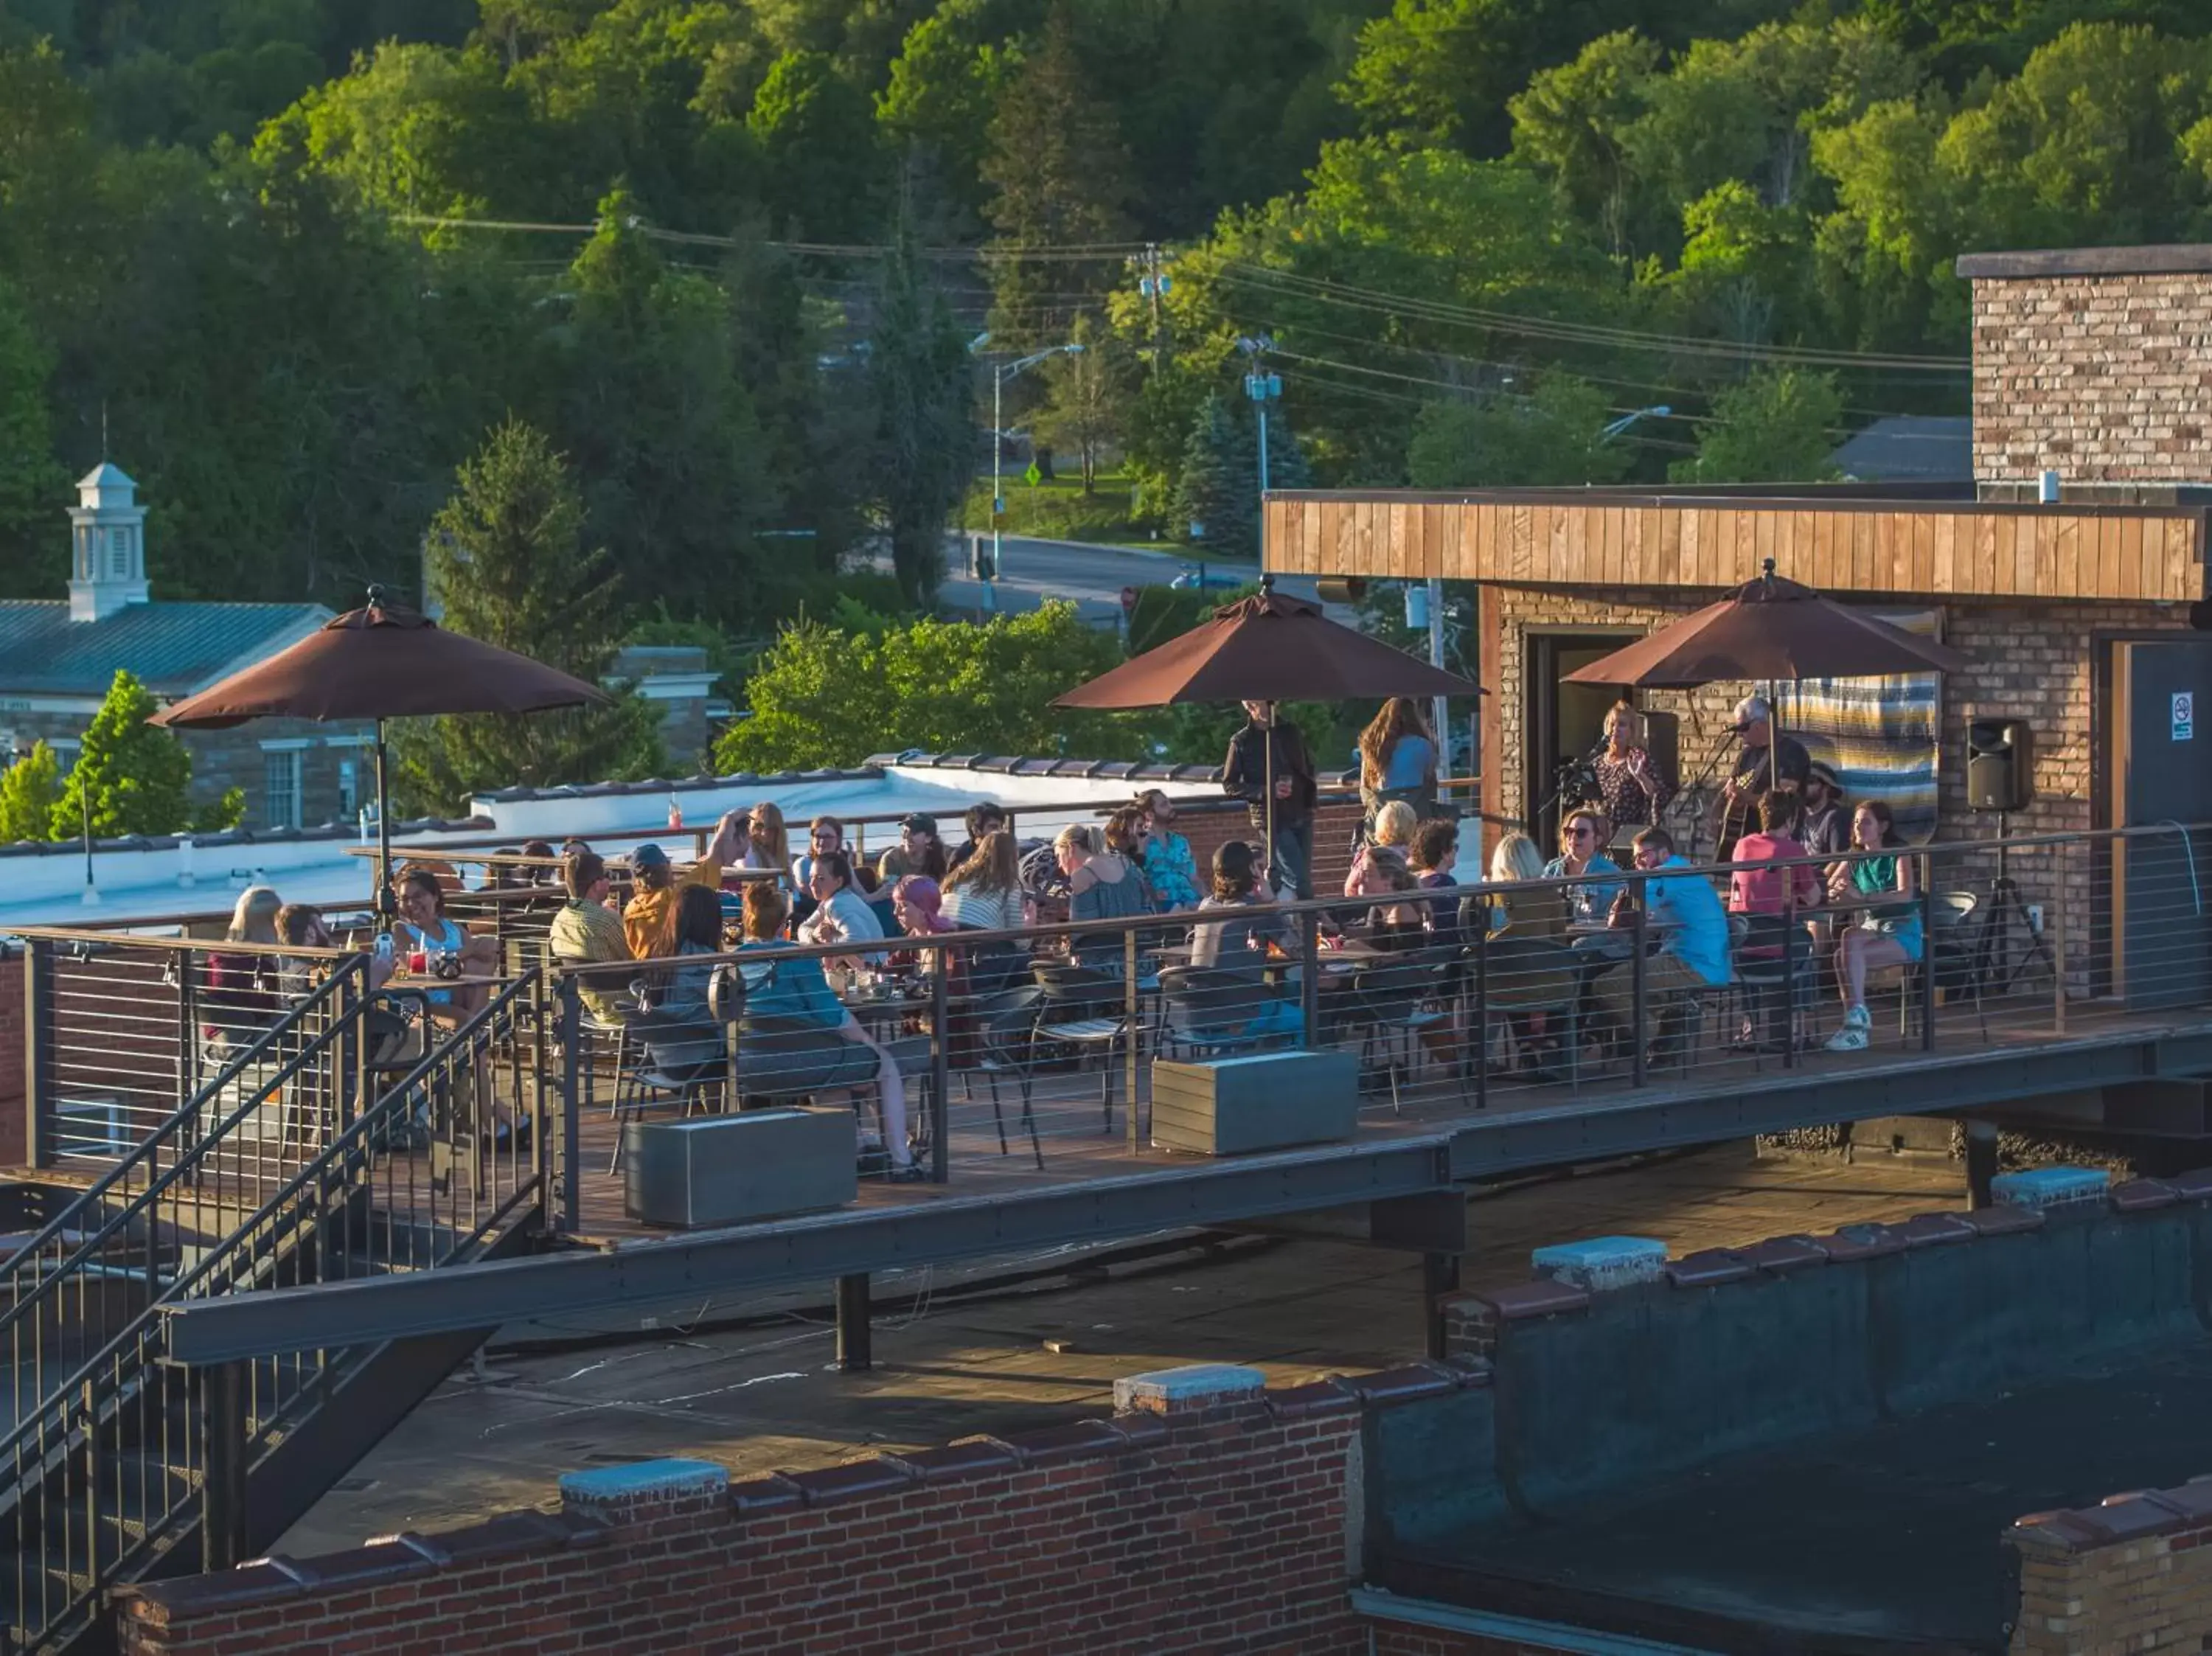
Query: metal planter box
1266, 1101
732, 1170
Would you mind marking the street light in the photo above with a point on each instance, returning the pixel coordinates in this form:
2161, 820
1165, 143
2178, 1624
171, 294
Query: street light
1630, 419
1000, 375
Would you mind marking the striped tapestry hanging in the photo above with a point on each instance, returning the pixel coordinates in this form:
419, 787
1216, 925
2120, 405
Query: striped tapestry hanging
1878, 734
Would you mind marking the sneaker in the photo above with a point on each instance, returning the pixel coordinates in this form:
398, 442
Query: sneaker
1851, 1038
1857, 1018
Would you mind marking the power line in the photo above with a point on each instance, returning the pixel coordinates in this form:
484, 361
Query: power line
1073, 251
1288, 283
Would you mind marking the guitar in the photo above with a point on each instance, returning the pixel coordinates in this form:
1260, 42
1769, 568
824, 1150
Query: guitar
1741, 816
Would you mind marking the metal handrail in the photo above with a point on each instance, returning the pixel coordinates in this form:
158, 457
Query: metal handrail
347, 968
896, 942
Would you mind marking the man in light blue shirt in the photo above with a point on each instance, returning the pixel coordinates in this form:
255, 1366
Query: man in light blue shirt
1684, 911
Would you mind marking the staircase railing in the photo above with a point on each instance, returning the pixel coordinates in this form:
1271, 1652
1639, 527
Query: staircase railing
81, 1293
108, 1461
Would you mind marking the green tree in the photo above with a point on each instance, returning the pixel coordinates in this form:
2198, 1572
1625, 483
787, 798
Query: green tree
1218, 498
508, 560
1087, 399
29, 789
30, 482
1060, 177
1572, 124
818, 144
937, 107
1777, 426
923, 452
824, 697
1554, 439
131, 777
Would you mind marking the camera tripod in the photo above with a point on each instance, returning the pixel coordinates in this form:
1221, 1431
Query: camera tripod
1995, 967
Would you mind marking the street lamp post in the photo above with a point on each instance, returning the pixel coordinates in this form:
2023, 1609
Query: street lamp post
1630, 418
1000, 375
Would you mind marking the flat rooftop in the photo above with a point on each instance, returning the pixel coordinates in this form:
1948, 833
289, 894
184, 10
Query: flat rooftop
753, 1384
1883, 1540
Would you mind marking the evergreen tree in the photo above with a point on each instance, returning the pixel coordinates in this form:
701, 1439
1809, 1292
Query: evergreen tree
1216, 505
1287, 455
508, 564
1060, 174
131, 777
1086, 398
925, 439
28, 791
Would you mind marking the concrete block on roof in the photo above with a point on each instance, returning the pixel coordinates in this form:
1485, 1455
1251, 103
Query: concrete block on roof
1601, 1262
2050, 1187
1178, 1390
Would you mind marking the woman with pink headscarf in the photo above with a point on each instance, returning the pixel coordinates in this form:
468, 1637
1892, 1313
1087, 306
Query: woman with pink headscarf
917, 903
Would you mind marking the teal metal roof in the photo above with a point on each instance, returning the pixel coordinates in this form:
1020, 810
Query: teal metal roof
174, 648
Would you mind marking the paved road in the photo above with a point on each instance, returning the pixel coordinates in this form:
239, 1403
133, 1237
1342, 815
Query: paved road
1092, 576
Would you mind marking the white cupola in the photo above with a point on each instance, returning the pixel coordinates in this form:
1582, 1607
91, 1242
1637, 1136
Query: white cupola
107, 543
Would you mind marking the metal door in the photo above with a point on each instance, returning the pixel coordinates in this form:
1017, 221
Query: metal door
2162, 775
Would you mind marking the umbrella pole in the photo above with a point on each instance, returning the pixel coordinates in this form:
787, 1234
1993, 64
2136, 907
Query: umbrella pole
382, 840
1268, 748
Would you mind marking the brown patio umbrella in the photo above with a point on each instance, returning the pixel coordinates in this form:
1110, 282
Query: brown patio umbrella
382, 662
1267, 647
1773, 629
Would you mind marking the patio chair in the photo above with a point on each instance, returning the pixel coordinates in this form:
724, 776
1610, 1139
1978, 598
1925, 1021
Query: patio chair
1073, 1011
1393, 1001
1524, 977
1209, 1010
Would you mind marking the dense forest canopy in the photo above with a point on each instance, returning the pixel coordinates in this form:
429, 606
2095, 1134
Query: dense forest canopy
299, 257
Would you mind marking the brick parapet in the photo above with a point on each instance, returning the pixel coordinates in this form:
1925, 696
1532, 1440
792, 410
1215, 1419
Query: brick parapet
1220, 1518
2133, 1573
2101, 377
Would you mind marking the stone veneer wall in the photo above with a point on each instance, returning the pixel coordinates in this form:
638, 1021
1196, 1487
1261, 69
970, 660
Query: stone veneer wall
2101, 377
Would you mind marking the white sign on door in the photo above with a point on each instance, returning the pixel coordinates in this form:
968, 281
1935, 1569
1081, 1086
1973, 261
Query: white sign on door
2185, 715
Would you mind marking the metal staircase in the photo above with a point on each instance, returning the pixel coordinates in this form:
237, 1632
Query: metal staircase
308, 1157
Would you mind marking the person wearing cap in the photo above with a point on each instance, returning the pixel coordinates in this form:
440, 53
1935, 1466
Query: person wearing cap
649, 920
918, 852
1824, 829
1765, 765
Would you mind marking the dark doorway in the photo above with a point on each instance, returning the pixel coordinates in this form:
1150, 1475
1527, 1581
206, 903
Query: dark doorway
2158, 771
1565, 724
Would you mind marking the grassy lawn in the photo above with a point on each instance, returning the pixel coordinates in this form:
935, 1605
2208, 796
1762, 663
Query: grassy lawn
1059, 510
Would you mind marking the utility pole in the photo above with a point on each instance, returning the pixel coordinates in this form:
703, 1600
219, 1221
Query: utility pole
1153, 283
1260, 386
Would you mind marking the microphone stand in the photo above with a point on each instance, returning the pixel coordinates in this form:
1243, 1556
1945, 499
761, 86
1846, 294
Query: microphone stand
1697, 791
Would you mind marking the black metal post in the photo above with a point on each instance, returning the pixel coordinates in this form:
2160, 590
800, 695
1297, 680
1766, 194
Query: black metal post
385, 905
1981, 1161
940, 1071
572, 1075
1638, 1045
1309, 978
39, 1051
222, 1421
1927, 952
854, 1355
1132, 1026
1439, 1277
1789, 971
1480, 1037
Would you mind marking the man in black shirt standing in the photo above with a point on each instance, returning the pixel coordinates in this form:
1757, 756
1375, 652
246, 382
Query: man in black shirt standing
1244, 776
1764, 766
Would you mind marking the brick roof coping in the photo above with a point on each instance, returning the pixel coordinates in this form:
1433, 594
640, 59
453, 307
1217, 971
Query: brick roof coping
595, 1503
2134, 1515
2175, 259
1779, 1256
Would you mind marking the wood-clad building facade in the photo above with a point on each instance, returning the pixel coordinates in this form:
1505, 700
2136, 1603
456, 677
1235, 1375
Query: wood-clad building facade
1843, 544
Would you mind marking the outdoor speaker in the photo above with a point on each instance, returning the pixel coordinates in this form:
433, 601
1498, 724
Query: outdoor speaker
2000, 764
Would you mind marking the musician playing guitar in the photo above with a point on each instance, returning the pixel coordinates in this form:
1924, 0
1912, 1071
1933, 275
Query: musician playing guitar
1762, 767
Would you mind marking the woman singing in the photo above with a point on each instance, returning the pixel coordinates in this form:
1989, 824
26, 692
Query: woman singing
1635, 786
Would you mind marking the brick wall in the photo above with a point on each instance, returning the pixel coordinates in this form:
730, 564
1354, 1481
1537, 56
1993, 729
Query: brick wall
2134, 1574
2098, 377
2031, 661
223, 760
1207, 1514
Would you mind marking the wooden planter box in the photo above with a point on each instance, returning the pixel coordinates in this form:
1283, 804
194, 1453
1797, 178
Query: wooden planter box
732, 1170
1266, 1101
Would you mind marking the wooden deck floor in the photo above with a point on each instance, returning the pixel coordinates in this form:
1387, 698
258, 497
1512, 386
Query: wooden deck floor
1078, 1146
